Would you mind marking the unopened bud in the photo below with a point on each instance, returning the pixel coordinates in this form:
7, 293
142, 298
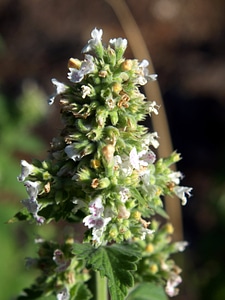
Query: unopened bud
117, 87
74, 63
127, 65
123, 213
108, 152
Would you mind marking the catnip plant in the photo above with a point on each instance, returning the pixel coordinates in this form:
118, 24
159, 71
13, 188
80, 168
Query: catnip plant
103, 173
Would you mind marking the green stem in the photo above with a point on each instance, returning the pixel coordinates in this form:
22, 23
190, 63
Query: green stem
101, 287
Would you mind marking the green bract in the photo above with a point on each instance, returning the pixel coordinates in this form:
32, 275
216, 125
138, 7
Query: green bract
103, 172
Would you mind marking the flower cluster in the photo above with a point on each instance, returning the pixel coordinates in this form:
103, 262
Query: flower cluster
102, 170
60, 270
156, 264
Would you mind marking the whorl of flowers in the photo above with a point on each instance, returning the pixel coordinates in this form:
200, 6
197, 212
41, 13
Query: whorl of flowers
102, 169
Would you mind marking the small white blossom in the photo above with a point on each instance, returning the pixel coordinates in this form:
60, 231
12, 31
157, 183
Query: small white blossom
33, 188
141, 159
63, 294
176, 177
110, 102
146, 231
86, 91
96, 220
180, 246
60, 89
134, 159
180, 191
95, 207
151, 139
124, 194
26, 170
172, 283
96, 35
152, 107
147, 158
87, 67
144, 73
118, 43
31, 205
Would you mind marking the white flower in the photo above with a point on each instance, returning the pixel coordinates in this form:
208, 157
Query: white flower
31, 205
172, 283
110, 102
86, 91
118, 43
72, 152
134, 159
144, 73
180, 246
124, 194
87, 67
95, 207
33, 188
63, 294
26, 170
151, 139
97, 231
124, 163
96, 39
146, 231
175, 177
152, 107
60, 89
180, 191
96, 220
147, 157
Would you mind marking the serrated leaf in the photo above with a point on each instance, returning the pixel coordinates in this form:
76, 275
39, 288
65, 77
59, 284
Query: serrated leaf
114, 262
147, 291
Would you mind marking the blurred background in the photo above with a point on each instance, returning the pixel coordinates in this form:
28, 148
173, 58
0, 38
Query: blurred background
186, 43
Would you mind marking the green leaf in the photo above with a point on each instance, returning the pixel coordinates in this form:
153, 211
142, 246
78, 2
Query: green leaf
22, 215
80, 291
147, 291
136, 194
114, 262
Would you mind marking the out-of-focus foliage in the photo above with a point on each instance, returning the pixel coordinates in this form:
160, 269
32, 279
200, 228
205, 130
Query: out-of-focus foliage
16, 135
17, 122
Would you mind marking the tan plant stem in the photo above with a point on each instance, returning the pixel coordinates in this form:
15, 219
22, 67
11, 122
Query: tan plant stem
152, 91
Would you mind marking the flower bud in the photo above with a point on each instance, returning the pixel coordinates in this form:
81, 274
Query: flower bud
113, 232
95, 163
127, 65
117, 87
108, 152
153, 268
149, 248
123, 213
114, 117
100, 183
101, 115
74, 63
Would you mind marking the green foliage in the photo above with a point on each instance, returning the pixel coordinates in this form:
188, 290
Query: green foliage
147, 291
114, 262
15, 132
